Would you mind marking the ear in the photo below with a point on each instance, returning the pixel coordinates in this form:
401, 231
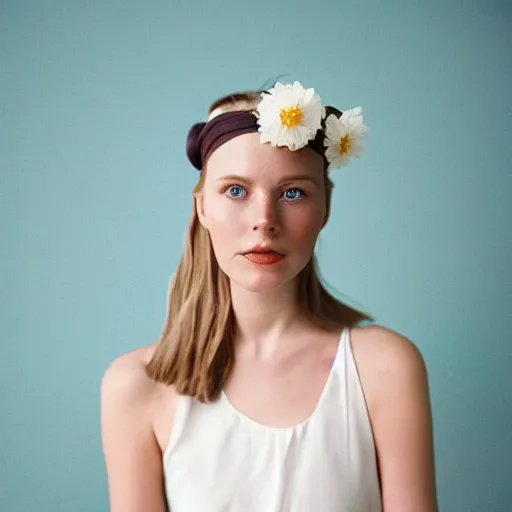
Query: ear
199, 202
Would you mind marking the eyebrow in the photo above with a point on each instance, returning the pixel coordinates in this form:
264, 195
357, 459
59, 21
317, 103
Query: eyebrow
296, 177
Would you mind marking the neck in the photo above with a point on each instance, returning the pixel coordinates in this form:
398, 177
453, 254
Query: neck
265, 320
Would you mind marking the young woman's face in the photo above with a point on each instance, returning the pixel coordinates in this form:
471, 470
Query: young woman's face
256, 199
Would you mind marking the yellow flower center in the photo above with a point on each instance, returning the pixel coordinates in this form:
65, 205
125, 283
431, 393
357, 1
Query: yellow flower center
344, 144
291, 116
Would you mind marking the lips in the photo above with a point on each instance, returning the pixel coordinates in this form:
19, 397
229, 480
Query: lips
263, 257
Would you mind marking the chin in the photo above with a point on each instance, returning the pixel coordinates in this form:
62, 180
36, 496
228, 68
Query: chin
261, 279
258, 285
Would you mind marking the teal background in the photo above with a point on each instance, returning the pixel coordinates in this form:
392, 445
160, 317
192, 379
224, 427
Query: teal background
95, 193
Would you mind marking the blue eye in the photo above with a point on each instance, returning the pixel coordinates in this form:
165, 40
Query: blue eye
293, 193
236, 191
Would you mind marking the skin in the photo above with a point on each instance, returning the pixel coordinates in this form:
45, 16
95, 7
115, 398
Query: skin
282, 361
265, 196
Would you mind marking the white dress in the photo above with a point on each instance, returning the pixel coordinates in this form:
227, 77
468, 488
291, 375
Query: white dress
220, 460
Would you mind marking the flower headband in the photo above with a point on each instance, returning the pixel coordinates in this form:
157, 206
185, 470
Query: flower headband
288, 115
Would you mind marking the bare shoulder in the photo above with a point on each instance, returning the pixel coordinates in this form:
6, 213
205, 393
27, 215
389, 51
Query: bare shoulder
127, 387
130, 400
385, 342
395, 383
126, 384
125, 377
383, 355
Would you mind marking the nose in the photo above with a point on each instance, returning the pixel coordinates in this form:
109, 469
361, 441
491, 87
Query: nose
267, 215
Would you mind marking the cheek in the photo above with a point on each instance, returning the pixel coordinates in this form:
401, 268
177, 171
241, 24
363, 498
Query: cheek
305, 226
223, 225
218, 210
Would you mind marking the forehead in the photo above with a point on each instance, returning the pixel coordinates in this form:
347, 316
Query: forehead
246, 156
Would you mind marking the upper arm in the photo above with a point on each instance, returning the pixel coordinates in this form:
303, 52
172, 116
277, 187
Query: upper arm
132, 455
402, 424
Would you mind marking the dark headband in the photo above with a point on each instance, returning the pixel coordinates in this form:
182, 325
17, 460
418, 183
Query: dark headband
204, 138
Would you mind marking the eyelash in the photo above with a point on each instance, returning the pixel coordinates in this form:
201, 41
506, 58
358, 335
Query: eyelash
302, 193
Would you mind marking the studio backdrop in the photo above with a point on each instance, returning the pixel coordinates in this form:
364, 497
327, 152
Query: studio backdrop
96, 99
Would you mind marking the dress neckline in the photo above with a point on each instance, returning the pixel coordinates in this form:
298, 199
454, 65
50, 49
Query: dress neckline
250, 422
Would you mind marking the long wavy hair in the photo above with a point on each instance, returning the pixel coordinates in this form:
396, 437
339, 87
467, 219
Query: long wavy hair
195, 351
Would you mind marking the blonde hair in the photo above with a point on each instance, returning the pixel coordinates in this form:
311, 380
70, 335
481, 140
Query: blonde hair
195, 351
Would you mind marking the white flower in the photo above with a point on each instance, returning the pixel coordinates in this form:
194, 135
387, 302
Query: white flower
343, 137
289, 115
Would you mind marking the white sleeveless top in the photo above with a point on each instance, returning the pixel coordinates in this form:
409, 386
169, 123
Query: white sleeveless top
220, 460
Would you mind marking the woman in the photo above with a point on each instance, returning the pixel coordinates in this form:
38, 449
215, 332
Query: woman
263, 392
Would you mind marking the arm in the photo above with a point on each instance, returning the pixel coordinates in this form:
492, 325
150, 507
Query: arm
402, 424
132, 455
